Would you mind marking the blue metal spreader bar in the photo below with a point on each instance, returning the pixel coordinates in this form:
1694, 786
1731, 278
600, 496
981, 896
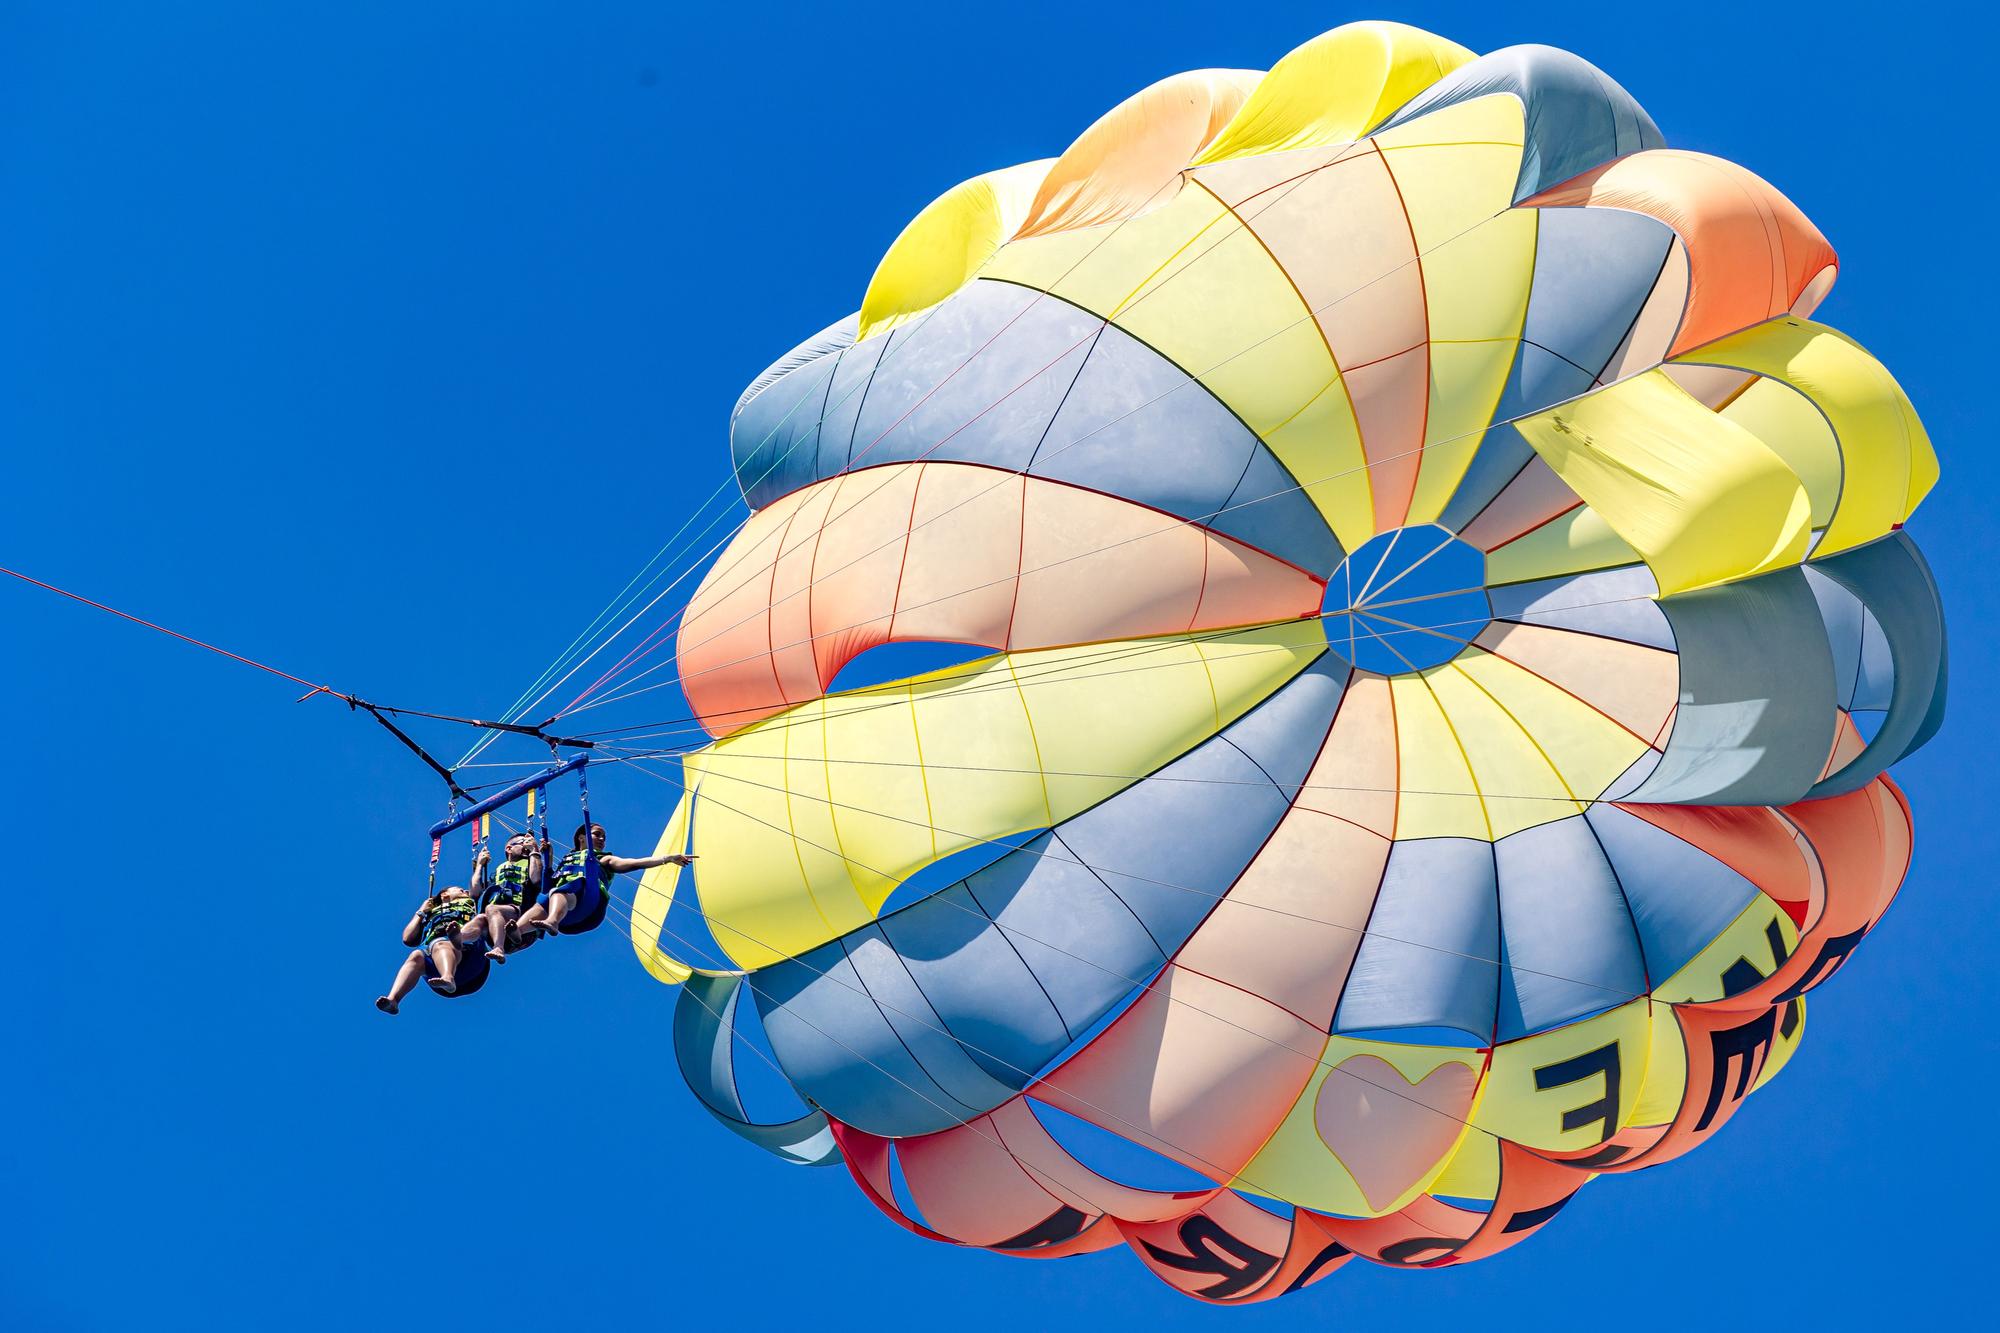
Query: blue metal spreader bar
508, 796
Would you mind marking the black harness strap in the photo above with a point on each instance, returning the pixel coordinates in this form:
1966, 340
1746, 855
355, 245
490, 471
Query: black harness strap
516, 728
450, 780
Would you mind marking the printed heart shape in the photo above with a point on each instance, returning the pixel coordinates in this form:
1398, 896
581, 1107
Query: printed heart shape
1387, 1131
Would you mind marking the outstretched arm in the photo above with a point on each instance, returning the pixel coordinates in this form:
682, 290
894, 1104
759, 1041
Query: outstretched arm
479, 871
619, 865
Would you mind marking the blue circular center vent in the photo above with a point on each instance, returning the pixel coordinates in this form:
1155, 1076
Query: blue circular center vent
1407, 600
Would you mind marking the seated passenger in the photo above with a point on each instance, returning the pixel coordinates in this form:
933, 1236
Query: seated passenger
506, 892
560, 899
441, 925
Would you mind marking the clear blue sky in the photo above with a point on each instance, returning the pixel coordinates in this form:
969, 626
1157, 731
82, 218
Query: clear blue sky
318, 322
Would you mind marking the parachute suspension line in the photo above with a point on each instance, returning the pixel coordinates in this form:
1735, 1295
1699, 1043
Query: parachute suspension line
1287, 185
494, 730
644, 647
619, 601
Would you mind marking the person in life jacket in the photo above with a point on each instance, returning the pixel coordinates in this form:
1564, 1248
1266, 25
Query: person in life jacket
560, 899
506, 891
439, 928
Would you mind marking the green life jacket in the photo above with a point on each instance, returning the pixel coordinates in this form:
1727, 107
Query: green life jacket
506, 883
570, 873
448, 916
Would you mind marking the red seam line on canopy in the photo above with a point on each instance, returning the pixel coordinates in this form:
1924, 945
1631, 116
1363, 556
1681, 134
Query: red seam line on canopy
1424, 295
172, 633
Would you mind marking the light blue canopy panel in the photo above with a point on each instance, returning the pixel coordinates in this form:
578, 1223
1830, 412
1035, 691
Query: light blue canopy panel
1900, 662
704, 1024
1013, 378
1576, 116
1546, 926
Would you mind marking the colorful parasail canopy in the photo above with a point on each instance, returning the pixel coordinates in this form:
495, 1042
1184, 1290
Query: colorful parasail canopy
1448, 619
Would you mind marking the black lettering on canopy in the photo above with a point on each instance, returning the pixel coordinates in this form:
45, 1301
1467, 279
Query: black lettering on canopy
1745, 1044
1065, 1223
1604, 1060
1404, 1252
1334, 1250
1743, 974
1534, 1217
1210, 1250
1831, 955
1604, 1156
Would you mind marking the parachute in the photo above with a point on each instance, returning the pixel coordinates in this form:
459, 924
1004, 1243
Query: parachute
1442, 619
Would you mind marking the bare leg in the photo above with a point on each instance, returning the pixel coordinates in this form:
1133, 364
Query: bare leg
444, 954
407, 977
532, 918
498, 918
559, 905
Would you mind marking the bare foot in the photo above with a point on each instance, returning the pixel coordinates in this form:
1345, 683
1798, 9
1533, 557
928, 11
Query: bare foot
497, 955
386, 1005
444, 987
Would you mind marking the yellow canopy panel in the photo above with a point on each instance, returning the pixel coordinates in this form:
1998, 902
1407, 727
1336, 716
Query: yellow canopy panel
808, 820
